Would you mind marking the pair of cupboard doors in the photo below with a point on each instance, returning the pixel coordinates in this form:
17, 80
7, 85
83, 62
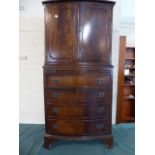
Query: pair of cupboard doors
78, 32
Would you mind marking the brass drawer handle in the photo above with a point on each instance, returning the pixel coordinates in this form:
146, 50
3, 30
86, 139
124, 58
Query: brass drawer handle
56, 126
100, 109
55, 81
100, 81
55, 95
100, 126
55, 109
101, 94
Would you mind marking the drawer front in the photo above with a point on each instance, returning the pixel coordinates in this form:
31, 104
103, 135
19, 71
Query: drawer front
78, 110
78, 127
61, 96
79, 81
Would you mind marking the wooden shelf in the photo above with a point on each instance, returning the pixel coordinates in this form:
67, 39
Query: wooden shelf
130, 47
128, 85
129, 67
129, 98
129, 75
129, 58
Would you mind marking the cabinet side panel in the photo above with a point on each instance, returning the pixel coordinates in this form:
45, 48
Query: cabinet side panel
122, 47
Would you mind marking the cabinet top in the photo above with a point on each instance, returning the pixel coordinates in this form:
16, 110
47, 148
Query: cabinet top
99, 1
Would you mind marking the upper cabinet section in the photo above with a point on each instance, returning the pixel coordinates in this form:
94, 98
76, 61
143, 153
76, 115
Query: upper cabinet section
78, 32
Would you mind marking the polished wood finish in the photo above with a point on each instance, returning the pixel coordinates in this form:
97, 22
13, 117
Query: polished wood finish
61, 21
59, 96
85, 127
78, 41
82, 81
93, 46
89, 110
78, 71
126, 84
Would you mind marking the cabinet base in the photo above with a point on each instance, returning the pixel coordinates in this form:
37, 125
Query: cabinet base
49, 139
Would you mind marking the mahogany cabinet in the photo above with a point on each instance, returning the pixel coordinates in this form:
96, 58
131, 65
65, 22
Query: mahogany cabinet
78, 70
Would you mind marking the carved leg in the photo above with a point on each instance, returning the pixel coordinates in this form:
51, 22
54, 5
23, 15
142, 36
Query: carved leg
48, 141
108, 141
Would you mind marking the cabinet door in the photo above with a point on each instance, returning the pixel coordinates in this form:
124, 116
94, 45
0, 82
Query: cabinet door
60, 26
95, 33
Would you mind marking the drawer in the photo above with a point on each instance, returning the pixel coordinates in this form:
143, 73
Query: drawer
68, 96
91, 80
78, 127
78, 110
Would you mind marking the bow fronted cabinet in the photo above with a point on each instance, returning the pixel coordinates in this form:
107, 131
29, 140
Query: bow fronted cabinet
78, 70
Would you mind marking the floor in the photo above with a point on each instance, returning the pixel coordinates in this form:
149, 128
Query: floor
31, 142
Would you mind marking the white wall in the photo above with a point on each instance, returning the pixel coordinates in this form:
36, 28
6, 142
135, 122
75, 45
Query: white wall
31, 26
115, 50
127, 25
31, 105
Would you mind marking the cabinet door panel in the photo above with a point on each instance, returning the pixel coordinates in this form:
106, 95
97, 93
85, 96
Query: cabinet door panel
95, 34
61, 33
